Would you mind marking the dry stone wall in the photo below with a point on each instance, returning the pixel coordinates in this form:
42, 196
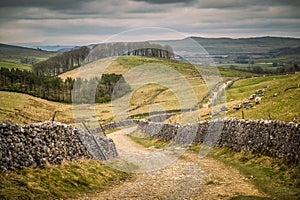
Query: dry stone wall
273, 137
36, 144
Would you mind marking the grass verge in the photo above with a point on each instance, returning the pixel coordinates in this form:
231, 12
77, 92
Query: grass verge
275, 177
55, 182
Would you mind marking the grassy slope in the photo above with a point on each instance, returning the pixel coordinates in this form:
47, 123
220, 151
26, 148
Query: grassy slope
56, 182
151, 95
22, 108
285, 106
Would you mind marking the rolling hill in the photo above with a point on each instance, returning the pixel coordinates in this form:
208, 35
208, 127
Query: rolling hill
225, 46
16, 52
264, 47
152, 96
21, 57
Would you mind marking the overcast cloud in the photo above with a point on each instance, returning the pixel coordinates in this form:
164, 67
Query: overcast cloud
93, 21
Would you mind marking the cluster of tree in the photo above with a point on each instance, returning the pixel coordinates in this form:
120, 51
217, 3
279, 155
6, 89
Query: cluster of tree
99, 91
55, 89
277, 70
43, 86
130, 48
62, 62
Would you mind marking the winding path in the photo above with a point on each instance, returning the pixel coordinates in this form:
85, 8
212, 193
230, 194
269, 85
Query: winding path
186, 177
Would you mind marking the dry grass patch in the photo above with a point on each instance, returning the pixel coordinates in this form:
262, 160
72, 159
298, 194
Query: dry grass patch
23, 108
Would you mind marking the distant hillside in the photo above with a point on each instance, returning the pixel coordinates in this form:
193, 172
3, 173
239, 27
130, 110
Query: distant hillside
17, 53
55, 47
286, 51
256, 45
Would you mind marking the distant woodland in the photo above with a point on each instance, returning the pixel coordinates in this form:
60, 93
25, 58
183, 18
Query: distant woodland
62, 62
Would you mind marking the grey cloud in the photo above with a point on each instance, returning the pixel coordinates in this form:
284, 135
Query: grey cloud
227, 4
49, 4
166, 1
79, 18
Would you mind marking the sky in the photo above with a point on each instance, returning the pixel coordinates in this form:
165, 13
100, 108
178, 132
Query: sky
81, 22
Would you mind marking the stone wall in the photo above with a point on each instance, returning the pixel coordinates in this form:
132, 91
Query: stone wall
36, 144
129, 122
276, 138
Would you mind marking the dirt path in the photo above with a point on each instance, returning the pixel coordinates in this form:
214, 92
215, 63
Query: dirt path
188, 177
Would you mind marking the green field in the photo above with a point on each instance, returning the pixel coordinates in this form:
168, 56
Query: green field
281, 97
11, 64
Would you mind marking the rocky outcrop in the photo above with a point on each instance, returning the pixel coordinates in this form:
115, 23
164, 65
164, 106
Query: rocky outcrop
273, 137
37, 144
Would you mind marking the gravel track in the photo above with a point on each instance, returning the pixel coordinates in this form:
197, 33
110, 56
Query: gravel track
188, 177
